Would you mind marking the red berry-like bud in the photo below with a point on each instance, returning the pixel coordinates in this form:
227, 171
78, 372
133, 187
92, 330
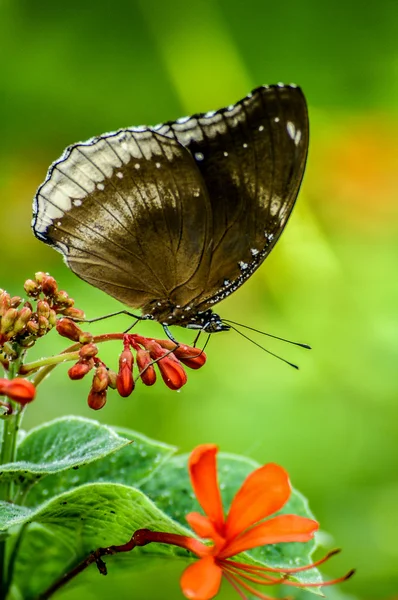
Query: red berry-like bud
145, 366
80, 369
100, 379
20, 390
88, 351
96, 400
75, 313
31, 287
69, 329
172, 373
124, 379
194, 358
49, 286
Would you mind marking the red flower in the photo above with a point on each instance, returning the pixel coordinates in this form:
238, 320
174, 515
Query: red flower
246, 526
20, 390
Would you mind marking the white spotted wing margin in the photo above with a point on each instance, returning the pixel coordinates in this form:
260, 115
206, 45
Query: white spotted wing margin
181, 213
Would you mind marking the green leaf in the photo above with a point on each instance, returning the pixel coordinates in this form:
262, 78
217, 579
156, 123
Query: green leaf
172, 492
131, 465
67, 528
65, 443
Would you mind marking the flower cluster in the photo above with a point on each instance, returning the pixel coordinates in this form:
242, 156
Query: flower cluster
21, 323
247, 526
168, 357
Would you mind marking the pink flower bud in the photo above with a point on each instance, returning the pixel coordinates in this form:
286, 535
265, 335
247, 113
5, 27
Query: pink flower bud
21, 391
43, 324
124, 380
62, 297
68, 329
39, 276
32, 327
145, 366
52, 319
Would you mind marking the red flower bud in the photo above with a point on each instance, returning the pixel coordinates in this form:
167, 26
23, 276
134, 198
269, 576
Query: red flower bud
62, 297
32, 327
80, 369
75, 313
172, 373
43, 324
20, 390
145, 366
194, 358
86, 337
49, 285
112, 378
96, 400
68, 329
100, 379
124, 380
88, 351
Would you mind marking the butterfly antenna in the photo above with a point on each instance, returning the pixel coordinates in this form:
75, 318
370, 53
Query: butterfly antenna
265, 349
275, 337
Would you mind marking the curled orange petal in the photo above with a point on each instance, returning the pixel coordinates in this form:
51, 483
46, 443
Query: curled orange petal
204, 528
203, 472
283, 528
263, 492
201, 580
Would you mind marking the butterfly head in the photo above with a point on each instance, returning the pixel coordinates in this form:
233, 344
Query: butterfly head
209, 322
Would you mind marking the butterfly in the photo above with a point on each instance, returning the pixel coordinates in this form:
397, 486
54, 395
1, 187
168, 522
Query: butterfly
172, 219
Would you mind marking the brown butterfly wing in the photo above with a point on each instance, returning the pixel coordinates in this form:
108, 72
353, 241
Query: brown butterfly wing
131, 215
252, 158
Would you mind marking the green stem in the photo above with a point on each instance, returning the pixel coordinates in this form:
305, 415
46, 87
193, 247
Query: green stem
51, 360
11, 424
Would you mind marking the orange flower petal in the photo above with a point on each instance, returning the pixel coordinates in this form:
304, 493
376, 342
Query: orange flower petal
263, 492
204, 528
201, 581
203, 472
283, 528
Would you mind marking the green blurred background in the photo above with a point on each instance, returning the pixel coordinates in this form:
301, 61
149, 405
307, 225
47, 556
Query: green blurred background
76, 69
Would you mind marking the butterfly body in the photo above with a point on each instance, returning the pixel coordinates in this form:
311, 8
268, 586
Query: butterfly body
172, 219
